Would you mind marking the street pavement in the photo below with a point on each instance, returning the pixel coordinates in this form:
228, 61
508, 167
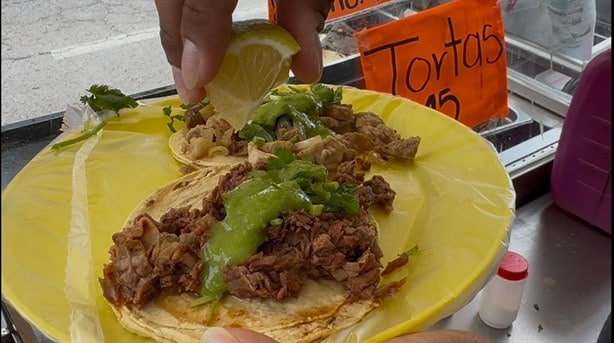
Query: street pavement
52, 51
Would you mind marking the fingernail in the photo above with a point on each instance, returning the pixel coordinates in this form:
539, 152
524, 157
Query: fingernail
217, 335
319, 68
190, 61
182, 91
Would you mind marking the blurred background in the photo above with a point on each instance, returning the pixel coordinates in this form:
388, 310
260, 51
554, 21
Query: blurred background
52, 51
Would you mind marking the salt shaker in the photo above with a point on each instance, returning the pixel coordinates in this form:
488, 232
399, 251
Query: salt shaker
501, 297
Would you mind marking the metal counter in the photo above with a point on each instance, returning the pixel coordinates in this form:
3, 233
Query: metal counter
568, 294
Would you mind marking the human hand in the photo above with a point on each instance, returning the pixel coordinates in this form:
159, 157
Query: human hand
236, 335
195, 34
441, 336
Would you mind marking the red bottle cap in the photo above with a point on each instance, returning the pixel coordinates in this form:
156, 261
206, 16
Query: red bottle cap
513, 267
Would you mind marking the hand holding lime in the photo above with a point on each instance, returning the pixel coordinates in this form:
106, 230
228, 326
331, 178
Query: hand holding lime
257, 60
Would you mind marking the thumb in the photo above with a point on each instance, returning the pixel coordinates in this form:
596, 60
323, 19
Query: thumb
233, 335
304, 19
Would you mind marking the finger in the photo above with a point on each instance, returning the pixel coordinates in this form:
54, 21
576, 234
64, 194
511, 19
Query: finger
187, 96
304, 20
248, 336
169, 17
205, 26
441, 336
233, 335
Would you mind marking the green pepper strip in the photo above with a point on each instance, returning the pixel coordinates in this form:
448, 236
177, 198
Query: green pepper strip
311, 126
267, 113
81, 137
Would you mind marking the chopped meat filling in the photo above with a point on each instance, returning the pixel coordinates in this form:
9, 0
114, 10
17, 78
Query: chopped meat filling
152, 257
208, 134
146, 260
337, 246
356, 134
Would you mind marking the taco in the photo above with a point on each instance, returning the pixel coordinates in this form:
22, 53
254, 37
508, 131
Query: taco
309, 121
207, 140
283, 248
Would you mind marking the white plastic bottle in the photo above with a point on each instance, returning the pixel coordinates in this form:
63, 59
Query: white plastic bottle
500, 299
573, 27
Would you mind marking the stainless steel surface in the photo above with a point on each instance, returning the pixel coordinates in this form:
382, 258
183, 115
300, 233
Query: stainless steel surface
541, 94
5, 333
535, 52
528, 62
531, 154
498, 125
568, 294
532, 128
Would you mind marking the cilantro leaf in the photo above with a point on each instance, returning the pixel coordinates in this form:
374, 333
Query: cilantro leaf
282, 158
312, 179
204, 101
168, 110
252, 130
326, 94
105, 98
345, 199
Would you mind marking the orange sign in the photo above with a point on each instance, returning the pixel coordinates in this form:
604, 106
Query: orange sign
340, 8
450, 57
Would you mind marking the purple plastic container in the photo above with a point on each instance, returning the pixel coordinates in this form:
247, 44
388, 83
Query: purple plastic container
582, 170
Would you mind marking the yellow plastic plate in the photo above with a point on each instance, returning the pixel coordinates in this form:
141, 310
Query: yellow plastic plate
455, 201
